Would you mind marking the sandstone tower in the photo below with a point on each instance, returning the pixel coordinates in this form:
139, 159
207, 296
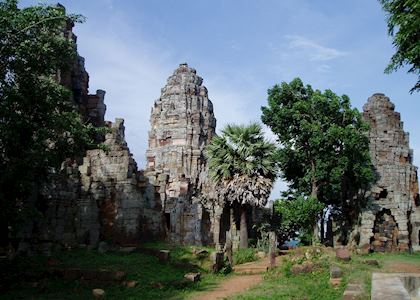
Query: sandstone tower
391, 221
182, 124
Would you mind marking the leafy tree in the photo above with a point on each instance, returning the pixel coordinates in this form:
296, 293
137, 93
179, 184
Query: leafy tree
324, 150
39, 125
242, 163
297, 217
403, 17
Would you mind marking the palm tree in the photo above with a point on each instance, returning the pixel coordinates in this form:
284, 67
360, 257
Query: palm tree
241, 163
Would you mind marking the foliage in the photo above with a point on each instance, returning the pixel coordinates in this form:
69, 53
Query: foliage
263, 241
403, 17
242, 256
241, 164
39, 126
297, 217
155, 280
242, 161
324, 143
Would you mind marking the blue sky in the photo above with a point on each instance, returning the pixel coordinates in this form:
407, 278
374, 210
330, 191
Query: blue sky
240, 48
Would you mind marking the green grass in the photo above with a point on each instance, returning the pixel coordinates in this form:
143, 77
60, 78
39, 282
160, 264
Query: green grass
155, 280
281, 284
242, 256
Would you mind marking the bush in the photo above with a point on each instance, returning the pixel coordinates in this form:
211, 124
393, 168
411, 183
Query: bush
244, 255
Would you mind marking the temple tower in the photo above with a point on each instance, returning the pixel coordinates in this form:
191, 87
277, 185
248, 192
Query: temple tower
391, 222
182, 124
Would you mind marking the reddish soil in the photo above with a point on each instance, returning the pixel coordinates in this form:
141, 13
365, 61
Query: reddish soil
229, 287
401, 267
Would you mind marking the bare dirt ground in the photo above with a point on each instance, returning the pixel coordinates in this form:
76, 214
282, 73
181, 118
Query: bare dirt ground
229, 287
401, 267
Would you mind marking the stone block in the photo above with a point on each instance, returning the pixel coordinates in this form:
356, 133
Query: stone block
193, 277
343, 254
336, 272
98, 293
217, 259
164, 256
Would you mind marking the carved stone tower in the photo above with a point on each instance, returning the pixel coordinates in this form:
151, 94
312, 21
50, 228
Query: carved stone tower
182, 124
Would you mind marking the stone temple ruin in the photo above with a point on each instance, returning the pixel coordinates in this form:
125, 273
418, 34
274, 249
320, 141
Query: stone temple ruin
391, 221
102, 196
182, 124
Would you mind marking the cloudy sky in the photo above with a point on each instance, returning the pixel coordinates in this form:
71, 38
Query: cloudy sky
241, 48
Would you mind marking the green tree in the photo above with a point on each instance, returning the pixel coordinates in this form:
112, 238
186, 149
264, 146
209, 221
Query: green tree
297, 217
39, 125
242, 163
324, 150
403, 18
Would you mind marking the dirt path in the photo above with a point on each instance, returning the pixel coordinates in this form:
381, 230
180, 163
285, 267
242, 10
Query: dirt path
229, 287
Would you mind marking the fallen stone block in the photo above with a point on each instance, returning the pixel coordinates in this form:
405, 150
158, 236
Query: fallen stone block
335, 281
164, 255
98, 293
193, 277
343, 254
372, 262
335, 272
306, 267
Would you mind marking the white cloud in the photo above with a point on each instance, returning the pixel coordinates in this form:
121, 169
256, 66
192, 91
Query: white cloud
312, 49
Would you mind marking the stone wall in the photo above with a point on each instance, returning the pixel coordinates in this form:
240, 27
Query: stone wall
99, 197
182, 124
391, 221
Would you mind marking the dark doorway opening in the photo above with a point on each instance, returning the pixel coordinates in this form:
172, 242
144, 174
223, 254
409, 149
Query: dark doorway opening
168, 221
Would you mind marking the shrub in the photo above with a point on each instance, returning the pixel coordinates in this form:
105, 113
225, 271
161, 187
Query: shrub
244, 255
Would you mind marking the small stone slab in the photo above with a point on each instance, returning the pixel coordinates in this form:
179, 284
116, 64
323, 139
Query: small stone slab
335, 272
343, 254
164, 255
372, 262
131, 283
306, 267
193, 277
127, 250
353, 291
335, 281
98, 293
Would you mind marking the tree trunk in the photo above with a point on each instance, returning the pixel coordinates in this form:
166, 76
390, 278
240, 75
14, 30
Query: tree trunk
244, 228
314, 194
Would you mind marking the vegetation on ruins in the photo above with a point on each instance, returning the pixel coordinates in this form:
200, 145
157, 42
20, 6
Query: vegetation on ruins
242, 162
403, 18
324, 151
39, 126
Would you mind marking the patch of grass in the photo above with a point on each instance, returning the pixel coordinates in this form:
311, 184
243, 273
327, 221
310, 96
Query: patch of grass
280, 283
244, 255
276, 285
155, 280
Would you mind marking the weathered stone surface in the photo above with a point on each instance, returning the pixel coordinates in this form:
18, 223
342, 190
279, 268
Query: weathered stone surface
336, 272
391, 220
98, 293
164, 255
194, 277
217, 261
182, 124
343, 254
372, 262
101, 196
306, 267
